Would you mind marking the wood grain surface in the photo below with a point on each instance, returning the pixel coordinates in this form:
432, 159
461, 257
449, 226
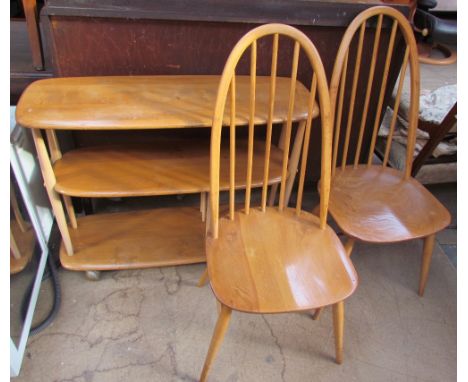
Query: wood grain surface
165, 167
137, 239
144, 102
375, 204
283, 262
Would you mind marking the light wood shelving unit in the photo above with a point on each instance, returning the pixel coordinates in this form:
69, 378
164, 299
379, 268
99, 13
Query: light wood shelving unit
149, 238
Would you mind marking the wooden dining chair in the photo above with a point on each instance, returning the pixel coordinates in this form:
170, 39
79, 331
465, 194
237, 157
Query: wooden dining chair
274, 259
373, 202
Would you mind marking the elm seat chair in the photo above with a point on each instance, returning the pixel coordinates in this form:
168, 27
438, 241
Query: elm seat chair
272, 259
375, 203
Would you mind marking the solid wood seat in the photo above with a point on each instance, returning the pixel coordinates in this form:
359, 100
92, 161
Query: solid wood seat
283, 263
375, 204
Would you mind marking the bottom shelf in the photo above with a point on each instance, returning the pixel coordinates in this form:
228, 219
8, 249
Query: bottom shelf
136, 239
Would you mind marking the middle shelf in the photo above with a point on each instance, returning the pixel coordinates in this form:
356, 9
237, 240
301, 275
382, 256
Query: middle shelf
166, 167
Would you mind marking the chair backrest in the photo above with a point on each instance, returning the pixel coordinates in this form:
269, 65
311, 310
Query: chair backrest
228, 85
365, 77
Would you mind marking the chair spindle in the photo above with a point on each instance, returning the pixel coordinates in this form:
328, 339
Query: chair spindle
232, 150
339, 113
396, 107
352, 100
292, 93
368, 90
274, 62
305, 149
253, 77
383, 88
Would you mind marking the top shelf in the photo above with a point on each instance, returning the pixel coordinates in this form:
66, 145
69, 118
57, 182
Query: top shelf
148, 102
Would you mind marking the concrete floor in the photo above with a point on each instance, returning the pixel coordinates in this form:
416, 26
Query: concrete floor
155, 325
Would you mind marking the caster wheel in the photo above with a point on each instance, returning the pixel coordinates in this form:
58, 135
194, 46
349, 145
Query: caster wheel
93, 275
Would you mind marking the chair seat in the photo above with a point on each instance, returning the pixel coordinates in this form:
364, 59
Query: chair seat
271, 262
375, 204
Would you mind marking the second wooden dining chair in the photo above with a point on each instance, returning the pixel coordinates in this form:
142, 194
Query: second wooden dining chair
372, 202
274, 259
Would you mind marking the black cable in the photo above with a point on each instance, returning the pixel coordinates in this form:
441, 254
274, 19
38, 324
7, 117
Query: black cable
57, 299
52, 273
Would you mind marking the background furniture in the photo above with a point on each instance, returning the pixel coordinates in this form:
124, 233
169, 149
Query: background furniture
29, 56
436, 35
435, 153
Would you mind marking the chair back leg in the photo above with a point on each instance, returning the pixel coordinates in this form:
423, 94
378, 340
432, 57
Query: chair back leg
426, 262
338, 326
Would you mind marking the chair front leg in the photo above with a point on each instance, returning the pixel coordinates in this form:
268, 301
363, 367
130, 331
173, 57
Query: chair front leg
204, 278
426, 262
217, 339
338, 326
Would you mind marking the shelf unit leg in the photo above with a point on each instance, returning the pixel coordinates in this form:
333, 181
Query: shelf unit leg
203, 206
55, 155
70, 210
49, 182
292, 165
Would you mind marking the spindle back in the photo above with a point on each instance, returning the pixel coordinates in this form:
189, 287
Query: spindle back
227, 93
401, 33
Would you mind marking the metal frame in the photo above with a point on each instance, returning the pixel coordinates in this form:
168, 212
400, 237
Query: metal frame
17, 353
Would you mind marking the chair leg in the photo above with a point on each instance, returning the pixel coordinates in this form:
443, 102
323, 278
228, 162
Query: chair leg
338, 326
316, 314
203, 279
426, 262
217, 339
349, 246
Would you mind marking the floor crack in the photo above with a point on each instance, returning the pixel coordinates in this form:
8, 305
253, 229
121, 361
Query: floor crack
278, 345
